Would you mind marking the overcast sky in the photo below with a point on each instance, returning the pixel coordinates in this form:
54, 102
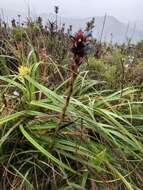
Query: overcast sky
125, 10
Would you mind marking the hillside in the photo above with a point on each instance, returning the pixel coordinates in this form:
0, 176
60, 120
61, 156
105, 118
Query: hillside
112, 26
119, 30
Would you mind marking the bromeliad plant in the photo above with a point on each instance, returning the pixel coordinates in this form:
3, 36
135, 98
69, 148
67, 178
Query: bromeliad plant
95, 147
79, 50
81, 139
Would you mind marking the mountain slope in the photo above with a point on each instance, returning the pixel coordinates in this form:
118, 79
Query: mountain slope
120, 31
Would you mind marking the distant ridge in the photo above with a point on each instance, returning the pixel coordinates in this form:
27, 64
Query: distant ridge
113, 26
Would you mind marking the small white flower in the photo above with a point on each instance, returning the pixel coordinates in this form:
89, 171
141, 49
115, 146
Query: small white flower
15, 93
127, 65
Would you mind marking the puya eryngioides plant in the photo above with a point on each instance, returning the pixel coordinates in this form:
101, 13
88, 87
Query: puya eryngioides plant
80, 44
